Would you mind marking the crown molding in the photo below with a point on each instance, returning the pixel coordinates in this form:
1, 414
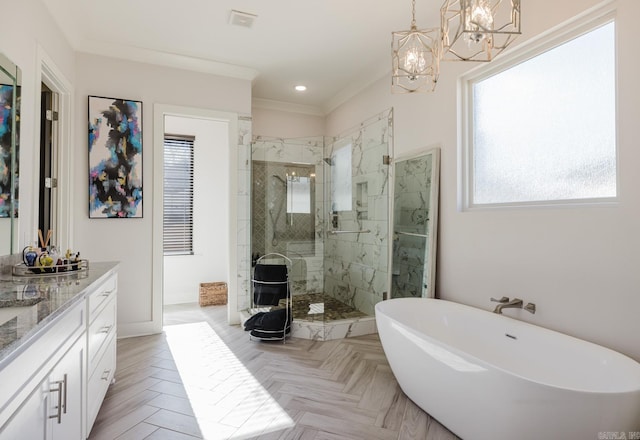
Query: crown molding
167, 59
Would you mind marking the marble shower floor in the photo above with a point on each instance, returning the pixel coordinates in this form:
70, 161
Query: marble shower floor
329, 318
324, 306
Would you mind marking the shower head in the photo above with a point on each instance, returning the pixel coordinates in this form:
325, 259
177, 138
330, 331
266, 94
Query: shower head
329, 161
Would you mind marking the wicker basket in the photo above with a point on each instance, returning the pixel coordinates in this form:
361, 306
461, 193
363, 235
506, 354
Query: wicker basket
213, 294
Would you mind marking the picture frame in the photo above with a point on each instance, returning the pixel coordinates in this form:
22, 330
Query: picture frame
9, 173
115, 158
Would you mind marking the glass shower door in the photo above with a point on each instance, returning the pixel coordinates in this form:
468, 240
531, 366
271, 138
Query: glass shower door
357, 225
286, 207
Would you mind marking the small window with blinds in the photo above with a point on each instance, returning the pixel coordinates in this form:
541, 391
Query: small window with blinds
178, 195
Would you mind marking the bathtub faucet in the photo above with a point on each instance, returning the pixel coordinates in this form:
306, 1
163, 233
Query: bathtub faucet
515, 303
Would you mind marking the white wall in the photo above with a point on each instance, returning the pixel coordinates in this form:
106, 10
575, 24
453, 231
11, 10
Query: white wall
5, 236
578, 264
271, 122
209, 262
129, 240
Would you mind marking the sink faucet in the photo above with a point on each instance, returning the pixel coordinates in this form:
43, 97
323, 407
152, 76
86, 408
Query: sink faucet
515, 303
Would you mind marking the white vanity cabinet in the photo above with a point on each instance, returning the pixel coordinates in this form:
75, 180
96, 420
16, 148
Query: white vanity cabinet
47, 383
30, 420
66, 394
53, 384
101, 339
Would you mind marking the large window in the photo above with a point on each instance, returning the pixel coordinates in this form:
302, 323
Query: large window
178, 195
543, 130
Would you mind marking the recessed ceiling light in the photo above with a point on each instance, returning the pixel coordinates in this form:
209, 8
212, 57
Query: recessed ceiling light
301, 88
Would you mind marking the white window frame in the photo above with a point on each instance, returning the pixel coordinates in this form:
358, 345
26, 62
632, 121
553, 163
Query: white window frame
580, 25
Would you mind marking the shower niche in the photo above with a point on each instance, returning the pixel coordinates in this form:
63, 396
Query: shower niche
324, 204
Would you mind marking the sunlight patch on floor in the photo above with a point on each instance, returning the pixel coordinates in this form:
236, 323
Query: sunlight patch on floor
227, 400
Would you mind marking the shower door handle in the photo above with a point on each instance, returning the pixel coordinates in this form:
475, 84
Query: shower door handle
362, 231
412, 234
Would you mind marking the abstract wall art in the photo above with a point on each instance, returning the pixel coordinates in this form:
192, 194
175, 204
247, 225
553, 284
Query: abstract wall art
7, 175
115, 158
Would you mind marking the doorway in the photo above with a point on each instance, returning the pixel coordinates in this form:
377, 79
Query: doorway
47, 181
195, 193
50, 205
218, 199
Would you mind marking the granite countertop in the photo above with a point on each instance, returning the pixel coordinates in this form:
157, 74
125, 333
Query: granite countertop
29, 304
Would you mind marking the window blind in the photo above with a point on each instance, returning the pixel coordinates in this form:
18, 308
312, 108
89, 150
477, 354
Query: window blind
178, 195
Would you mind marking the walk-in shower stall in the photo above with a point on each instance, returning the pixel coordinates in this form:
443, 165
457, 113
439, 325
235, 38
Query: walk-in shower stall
324, 203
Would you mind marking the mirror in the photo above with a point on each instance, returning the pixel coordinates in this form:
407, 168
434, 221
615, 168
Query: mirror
415, 225
9, 154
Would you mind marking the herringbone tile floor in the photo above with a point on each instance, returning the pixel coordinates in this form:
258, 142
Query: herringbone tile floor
202, 378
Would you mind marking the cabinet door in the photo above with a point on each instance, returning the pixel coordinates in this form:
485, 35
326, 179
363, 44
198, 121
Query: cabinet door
30, 420
99, 382
68, 382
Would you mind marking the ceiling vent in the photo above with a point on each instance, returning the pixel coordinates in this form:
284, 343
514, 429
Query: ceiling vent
243, 19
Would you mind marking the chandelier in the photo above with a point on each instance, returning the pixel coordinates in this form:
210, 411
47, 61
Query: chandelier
471, 30
415, 58
478, 30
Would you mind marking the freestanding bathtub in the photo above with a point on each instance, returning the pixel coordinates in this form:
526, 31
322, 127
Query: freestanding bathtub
488, 376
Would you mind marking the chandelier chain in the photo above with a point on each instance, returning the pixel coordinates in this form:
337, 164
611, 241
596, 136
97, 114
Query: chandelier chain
413, 14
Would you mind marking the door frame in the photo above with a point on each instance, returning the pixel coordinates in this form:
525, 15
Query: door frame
62, 218
159, 113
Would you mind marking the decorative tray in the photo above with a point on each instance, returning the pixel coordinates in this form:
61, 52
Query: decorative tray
22, 270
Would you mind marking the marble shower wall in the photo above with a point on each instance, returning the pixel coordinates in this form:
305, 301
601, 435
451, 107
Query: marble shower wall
411, 221
274, 229
356, 264
244, 212
304, 247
